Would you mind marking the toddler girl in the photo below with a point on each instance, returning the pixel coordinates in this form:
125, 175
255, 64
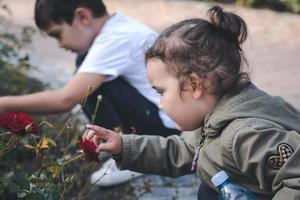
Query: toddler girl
196, 67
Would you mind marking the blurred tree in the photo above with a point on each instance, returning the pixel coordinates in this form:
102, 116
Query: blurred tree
278, 5
13, 65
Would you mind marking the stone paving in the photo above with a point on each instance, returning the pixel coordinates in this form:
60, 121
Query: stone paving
272, 49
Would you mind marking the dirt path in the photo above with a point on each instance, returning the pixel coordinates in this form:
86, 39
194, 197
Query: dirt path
273, 46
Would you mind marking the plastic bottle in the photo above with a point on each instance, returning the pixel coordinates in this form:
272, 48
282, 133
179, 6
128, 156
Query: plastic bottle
228, 190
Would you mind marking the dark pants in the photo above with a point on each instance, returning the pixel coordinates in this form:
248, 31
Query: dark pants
123, 106
206, 193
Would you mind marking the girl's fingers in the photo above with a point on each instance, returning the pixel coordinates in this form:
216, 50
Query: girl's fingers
97, 130
94, 127
96, 140
84, 135
104, 147
89, 134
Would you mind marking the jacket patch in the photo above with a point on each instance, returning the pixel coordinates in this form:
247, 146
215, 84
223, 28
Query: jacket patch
284, 152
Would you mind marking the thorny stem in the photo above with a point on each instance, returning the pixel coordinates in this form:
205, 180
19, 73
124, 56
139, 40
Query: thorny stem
5, 133
9, 145
39, 172
45, 123
83, 101
99, 99
74, 140
62, 173
73, 159
66, 124
85, 97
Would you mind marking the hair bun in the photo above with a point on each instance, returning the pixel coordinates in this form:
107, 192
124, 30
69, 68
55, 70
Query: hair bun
230, 25
215, 14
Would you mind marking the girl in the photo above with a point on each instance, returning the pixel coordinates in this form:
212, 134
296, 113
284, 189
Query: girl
196, 67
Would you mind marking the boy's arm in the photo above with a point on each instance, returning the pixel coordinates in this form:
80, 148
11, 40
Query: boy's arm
56, 101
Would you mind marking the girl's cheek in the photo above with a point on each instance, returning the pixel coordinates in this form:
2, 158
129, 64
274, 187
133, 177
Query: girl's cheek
160, 105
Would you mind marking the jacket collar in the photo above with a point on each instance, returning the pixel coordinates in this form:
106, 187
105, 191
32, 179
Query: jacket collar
250, 103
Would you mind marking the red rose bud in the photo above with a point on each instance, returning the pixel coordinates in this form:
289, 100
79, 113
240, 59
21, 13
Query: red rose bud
16, 123
89, 149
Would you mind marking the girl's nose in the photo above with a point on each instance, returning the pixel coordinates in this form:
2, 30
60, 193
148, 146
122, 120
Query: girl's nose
60, 44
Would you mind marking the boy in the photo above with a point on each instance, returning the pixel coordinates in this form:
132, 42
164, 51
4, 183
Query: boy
109, 61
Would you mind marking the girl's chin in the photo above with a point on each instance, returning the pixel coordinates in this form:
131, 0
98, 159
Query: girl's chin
181, 128
185, 128
178, 127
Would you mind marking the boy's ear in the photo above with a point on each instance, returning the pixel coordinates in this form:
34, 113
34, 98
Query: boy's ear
83, 16
197, 85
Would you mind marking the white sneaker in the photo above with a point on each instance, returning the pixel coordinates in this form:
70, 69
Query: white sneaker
110, 175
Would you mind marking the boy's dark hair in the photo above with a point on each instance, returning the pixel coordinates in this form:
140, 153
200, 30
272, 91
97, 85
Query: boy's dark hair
59, 11
211, 49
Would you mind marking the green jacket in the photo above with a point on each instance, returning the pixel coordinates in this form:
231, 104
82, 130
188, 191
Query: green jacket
252, 136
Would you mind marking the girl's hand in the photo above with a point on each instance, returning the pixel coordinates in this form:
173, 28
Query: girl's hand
104, 139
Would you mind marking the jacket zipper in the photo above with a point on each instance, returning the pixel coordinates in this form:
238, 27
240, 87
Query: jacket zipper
196, 156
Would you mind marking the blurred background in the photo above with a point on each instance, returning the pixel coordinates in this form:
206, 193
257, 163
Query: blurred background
272, 48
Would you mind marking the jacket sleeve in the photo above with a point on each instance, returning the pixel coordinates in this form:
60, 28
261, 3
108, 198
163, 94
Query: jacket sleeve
269, 154
171, 156
287, 181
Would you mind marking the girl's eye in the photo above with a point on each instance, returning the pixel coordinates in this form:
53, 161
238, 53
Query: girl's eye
56, 35
160, 92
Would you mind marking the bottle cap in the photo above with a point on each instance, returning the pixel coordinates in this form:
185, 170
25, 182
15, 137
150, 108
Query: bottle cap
219, 178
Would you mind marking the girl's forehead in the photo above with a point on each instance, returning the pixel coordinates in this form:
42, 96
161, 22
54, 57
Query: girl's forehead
155, 69
155, 62
156, 66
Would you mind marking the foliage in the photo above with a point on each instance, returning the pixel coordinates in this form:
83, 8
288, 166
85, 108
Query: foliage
43, 166
12, 63
10, 43
278, 5
54, 172
293, 5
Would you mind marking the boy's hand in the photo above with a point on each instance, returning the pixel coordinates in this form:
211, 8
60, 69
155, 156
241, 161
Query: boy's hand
112, 140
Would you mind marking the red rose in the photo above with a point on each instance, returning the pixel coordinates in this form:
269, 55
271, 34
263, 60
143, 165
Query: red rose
89, 149
18, 123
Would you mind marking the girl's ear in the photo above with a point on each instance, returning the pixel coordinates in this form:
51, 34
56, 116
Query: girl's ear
83, 16
197, 85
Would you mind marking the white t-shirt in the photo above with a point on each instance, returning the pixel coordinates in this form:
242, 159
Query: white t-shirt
119, 50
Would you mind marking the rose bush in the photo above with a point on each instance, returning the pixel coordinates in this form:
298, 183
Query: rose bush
51, 169
18, 123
